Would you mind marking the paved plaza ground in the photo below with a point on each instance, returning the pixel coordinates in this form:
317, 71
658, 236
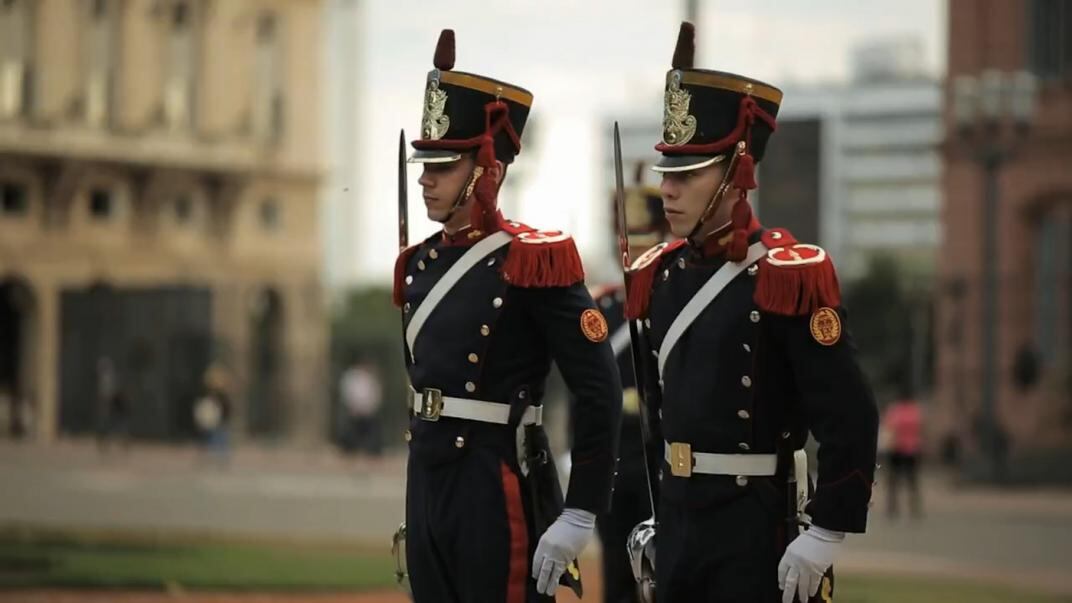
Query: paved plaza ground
1014, 538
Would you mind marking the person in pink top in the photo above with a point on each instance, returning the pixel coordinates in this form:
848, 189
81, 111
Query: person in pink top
903, 425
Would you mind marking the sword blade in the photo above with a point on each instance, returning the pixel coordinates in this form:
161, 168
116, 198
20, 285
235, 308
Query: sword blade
639, 358
403, 194
619, 202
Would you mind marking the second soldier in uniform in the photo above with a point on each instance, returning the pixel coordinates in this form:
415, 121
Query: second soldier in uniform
749, 352
488, 303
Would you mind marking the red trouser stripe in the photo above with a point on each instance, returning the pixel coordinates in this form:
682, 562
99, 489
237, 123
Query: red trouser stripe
519, 537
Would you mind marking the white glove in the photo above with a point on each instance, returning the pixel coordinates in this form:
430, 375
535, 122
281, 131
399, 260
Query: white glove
805, 561
559, 546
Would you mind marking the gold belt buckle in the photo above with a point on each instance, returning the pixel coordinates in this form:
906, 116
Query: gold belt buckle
681, 459
431, 404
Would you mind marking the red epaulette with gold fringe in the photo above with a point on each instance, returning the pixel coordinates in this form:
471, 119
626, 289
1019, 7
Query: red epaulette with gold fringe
398, 296
541, 258
795, 279
642, 278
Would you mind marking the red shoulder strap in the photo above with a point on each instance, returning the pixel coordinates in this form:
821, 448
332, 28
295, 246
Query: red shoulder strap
540, 258
797, 280
398, 295
642, 278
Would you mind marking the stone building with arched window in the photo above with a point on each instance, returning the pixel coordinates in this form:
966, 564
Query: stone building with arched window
159, 172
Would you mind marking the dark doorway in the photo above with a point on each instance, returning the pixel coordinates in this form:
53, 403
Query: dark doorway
157, 339
266, 417
17, 313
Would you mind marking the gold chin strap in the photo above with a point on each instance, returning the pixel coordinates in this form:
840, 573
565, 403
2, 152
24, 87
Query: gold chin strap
467, 192
478, 171
720, 193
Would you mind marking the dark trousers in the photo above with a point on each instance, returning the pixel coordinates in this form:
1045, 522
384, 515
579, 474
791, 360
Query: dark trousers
722, 553
629, 506
365, 435
469, 531
904, 468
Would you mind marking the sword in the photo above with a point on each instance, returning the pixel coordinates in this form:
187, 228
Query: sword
634, 332
641, 542
403, 240
403, 194
398, 542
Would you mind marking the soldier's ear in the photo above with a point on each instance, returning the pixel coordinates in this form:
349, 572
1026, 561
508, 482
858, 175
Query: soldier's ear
498, 171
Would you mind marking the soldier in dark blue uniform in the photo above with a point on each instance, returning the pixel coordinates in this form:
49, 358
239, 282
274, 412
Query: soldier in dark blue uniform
748, 353
488, 303
631, 501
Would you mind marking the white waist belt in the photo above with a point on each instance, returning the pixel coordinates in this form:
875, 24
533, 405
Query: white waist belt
684, 462
430, 404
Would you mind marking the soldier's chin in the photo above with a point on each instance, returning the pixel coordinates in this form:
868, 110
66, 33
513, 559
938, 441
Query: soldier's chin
438, 215
679, 226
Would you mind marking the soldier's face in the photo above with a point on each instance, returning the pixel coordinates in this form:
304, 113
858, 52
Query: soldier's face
686, 194
441, 183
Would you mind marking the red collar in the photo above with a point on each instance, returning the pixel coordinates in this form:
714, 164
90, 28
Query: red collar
463, 238
716, 243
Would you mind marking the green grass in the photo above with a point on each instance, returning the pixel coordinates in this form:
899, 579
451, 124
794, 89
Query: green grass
898, 589
31, 557
78, 560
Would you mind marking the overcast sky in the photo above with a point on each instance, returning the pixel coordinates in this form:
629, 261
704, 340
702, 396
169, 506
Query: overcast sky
583, 60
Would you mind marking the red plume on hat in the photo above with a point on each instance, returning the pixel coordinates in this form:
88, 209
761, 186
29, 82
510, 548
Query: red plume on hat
444, 52
685, 51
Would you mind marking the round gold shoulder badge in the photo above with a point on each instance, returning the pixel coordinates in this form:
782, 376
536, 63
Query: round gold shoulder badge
593, 325
826, 326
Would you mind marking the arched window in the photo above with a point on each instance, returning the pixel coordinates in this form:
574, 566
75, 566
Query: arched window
1053, 284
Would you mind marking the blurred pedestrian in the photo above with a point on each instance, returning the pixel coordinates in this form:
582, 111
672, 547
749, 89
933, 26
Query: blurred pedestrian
362, 397
22, 415
9, 404
112, 407
904, 425
212, 413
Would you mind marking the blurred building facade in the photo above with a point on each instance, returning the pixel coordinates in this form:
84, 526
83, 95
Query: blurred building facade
342, 94
1033, 393
856, 165
159, 172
